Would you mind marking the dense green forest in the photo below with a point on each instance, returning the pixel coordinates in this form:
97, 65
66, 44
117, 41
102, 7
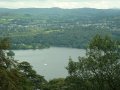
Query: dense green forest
44, 27
99, 70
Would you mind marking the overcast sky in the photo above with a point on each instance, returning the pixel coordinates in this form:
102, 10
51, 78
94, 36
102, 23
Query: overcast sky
103, 4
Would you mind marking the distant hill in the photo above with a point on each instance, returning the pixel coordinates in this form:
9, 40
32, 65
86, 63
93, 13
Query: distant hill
59, 11
58, 27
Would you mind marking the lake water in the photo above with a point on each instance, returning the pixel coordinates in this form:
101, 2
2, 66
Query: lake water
49, 62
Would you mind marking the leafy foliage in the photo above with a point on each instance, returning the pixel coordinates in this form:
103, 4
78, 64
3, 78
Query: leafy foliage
14, 75
99, 70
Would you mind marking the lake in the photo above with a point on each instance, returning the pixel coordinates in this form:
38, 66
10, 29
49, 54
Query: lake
50, 62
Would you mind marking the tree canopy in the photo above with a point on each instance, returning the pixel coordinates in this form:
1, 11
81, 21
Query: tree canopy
99, 70
16, 75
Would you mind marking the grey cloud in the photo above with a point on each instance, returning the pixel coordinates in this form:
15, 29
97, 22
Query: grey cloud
50, 0
23, 0
54, 0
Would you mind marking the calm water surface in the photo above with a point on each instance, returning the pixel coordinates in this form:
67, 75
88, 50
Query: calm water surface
49, 62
